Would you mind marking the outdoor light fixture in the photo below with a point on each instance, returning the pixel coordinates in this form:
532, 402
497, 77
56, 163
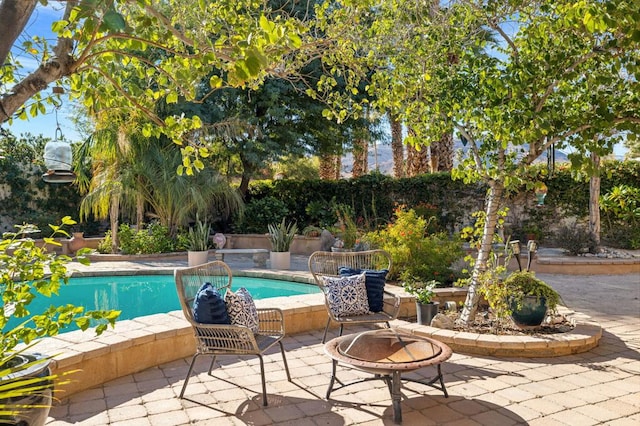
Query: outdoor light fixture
515, 249
58, 158
532, 247
540, 190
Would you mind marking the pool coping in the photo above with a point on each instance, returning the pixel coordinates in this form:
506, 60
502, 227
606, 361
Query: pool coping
144, 342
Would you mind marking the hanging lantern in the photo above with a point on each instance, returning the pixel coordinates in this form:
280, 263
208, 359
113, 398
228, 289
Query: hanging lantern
58, 159
541, 192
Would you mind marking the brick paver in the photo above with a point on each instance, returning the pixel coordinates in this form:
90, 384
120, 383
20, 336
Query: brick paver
599, 387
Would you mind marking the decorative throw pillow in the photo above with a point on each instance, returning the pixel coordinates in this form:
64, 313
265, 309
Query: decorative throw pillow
347, 295
374, 281
242, 309
209, 306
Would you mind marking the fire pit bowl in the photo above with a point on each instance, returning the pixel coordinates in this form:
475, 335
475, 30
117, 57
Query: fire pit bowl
387, 353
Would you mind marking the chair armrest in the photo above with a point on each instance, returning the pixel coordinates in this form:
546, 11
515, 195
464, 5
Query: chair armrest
271, 321
224, 339
391, 304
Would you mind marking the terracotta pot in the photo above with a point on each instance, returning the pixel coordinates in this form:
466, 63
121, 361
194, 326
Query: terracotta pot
76, 242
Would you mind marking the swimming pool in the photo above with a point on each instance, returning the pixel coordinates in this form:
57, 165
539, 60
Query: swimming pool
140, 295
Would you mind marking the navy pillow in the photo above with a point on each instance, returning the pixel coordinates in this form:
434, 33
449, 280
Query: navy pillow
209, 306
374, 281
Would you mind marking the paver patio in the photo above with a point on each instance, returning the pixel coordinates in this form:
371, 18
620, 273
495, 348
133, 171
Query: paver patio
601, 386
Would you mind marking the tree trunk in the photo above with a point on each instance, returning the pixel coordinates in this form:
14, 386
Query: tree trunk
337, 166
594, 200
494, 201
326, 168
397, 148
442, 154
114, 212
360, 154
139, 211
417, 161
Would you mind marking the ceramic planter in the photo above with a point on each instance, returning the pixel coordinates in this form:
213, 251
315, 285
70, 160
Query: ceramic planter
532, 312
196, 258
35, 404
280, 259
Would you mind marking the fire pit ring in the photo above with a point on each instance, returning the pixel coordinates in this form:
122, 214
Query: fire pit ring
387, 353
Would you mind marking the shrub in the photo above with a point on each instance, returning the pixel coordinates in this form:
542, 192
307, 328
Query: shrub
621, 216
153, 239
417, 256
575, 239
260, 213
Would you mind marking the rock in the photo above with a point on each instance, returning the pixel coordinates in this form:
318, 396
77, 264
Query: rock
442, 321
326, 240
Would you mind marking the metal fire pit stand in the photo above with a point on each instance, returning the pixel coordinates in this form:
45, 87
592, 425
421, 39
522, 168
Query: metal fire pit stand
387, 354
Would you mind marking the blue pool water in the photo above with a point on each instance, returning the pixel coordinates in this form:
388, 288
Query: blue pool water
139, 295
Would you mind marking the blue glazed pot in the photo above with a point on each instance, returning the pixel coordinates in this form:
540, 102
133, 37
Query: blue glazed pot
532, 312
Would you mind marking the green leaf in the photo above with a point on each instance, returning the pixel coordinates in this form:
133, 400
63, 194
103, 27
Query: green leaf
215, 82
114, 21
172, 98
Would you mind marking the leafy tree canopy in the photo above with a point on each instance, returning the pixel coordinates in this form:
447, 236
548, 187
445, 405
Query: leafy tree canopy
126, 55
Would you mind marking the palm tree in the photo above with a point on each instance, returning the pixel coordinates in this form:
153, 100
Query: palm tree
397, 147
174, 199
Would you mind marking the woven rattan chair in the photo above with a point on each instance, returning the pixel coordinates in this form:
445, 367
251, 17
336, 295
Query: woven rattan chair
325, 263
222, 339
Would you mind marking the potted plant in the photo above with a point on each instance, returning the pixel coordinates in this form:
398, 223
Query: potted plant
529, 298
426, 308
281, 236
27, 271
198, 243
312, 231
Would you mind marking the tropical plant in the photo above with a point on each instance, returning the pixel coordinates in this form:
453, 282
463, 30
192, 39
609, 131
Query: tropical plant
423, 291
281, 235
198, 236
28, 270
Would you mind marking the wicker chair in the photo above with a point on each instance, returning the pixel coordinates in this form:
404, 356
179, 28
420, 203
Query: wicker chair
223, 339
324, 263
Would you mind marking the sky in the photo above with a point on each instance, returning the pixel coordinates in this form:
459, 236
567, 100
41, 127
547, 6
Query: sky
45, 124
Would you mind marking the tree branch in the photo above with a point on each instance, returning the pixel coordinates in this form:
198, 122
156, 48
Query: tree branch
60, 65
14, 15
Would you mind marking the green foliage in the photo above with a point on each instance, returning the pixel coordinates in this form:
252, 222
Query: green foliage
621, 215
347, 230
198, 236
155, 238
259, 213
27, 198
417, 256
423, 291
525, 283
575, 239
281, 235
30, 271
